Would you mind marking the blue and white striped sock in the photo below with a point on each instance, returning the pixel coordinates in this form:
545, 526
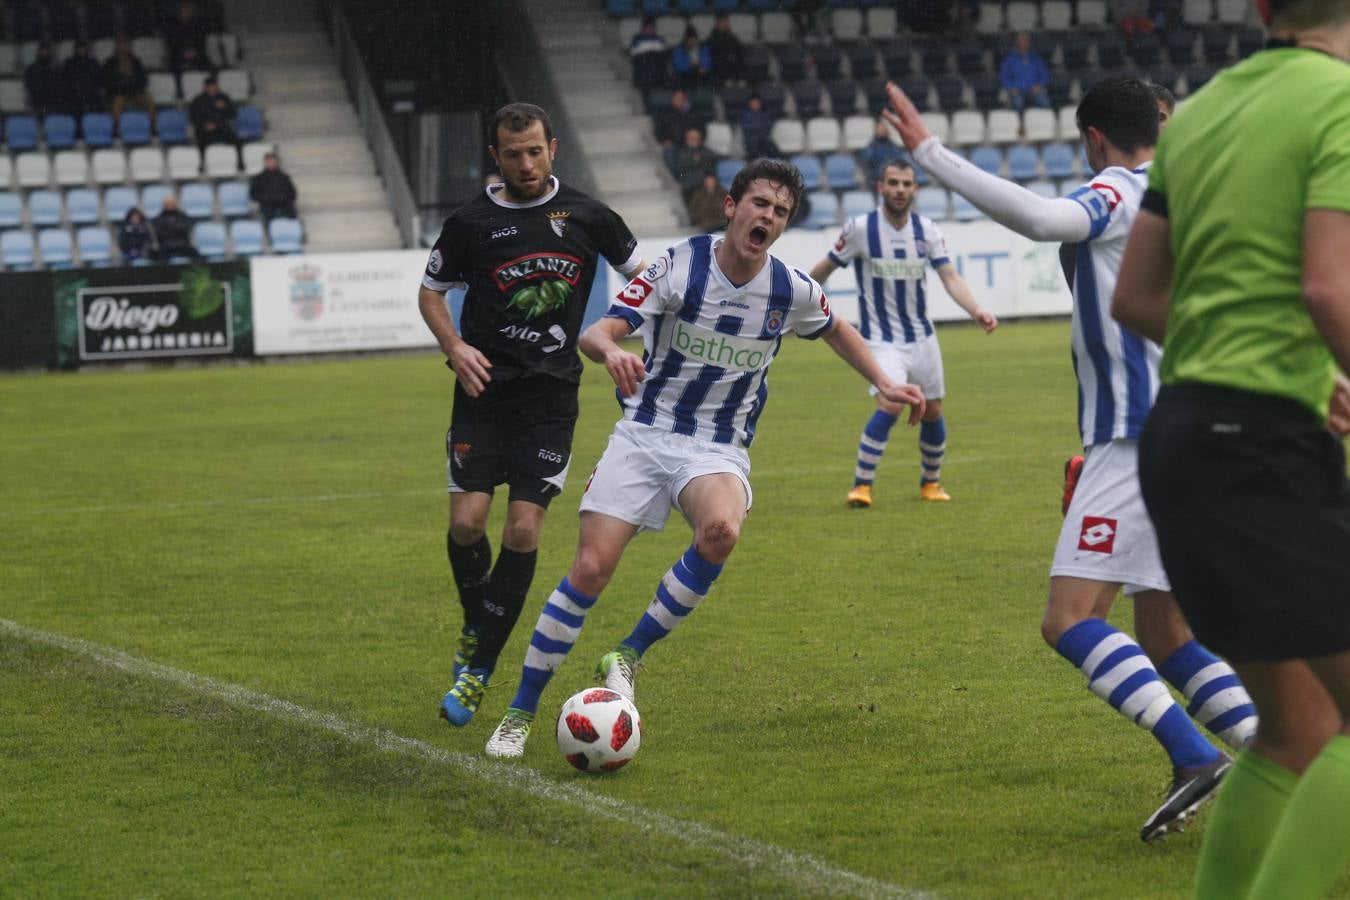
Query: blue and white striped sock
872, 445
682, 588
1216, 697
556, 631
1120, 673
932, 447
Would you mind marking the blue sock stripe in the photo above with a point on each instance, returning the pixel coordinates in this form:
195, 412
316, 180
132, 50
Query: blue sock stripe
934, 432
647, 632
676, 607
931, 466
1210, 688
585, 601
563, 616
1130, 685
704, 572
549, 645
1230, 718
1185, 662
1077, 644
1115, 658
879, 426
871, 467
532, 684
1184, 743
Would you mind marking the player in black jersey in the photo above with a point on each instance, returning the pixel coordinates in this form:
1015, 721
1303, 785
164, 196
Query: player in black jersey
526, 251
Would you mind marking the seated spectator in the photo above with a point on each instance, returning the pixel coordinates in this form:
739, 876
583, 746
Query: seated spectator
1024, 75
185, 39
1132, 18
173, 232
804, 18
124, 81
83, 80
726, 51
212, 116
649, 55
880, 151
693, 161
134, 237
672, 122
705, 205
42, 79
757, 129
273, 190
692, 61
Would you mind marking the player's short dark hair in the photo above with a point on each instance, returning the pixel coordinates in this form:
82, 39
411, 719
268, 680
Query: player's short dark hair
779, 171
1162, 95
1122, 108
895, 162
517, 117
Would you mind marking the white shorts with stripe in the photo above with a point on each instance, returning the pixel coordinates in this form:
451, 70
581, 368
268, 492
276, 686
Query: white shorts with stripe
643, 469
918, 363
1107, 535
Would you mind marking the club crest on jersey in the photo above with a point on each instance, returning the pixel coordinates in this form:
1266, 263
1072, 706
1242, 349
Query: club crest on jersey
1098, 535
773, 321
434, 264
558, 221
537, 266
459, 451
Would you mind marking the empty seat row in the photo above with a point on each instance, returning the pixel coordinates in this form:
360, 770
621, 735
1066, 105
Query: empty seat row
73, 168
222, 51
95, 245
87, 206
164, 88
134, 128
770, 25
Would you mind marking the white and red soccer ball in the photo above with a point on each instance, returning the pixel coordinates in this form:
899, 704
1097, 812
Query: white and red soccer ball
599, 730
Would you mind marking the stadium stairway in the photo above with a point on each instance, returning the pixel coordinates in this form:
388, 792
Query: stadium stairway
593, 77
314, 127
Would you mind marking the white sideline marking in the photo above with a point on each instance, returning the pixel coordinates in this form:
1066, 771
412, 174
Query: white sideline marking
802, 868
202, 504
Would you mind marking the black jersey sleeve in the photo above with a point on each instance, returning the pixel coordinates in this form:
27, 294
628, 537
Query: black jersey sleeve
445, 265
617, 244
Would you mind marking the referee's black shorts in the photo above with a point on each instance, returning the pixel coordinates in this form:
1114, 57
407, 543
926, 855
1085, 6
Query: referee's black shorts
517, 432
1250, 500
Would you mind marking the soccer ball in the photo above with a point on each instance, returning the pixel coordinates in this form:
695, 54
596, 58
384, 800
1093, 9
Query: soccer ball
599, 730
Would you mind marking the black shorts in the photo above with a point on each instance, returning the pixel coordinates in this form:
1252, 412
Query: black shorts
1250, 500
517, 432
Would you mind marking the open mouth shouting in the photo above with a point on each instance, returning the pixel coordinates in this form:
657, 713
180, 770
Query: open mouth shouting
757, 237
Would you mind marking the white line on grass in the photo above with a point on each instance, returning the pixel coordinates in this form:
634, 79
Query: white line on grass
801, 868
203, 504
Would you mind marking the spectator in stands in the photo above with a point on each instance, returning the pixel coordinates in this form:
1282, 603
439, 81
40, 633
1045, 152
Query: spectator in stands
273, 190
693, 161
692, 61
83, 80
705, 205
1132, 18
673, 121
212, 115
185, 39
879, 151
1024, 75
804, 19
649, 55
124, 81
42, 78
173, 232
134, 237
757, 129
727, 52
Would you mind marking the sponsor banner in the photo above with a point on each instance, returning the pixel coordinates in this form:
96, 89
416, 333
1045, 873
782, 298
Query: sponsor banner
153, 312
1009, 275
330, 302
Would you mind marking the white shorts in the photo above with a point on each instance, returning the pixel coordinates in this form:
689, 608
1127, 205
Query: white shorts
1107, 534
639, 478
917, 363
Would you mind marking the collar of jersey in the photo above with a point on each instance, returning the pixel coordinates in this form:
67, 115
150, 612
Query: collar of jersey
722, 276
553, 189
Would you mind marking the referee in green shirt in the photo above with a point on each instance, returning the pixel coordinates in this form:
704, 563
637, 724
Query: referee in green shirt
1239, 264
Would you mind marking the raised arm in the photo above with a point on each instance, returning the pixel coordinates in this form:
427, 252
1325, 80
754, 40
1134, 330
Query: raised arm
959, 290
468, 363
849, 346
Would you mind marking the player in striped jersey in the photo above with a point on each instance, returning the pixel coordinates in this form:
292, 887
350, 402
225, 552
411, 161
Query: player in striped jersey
1107, 541
891, 249
712, 314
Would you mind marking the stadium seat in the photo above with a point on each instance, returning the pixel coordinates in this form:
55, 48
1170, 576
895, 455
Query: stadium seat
44, 207
792, 62
776, 27
109, 166
1181, 47
843, 94
756, 62
963, 210
147, 164
9, 58
1059, 161
198, 200
222, 49
149, 50
967, 127
1168, 76
248, 123
21, 133
987, 90
233, 198
809, 97
1197, 76
97, 129
812, 172
823, 135
55, 248
222, 161
1091, 13
683, 7
858, 132
841, 171
970, 56
987, 158
1232, 12
1146, 50
1023, 162
172, 126
727, 169
881, 23
1216, 46
938, 124
1004, 125
1068, 123
234, 83
1038, 125
1056, 15
17, 250
285, 235
190, 83
774, 96
1197, 12
951, 91
71, 167
897, 58
1110, 52
11, 209
12, 98
1042, 188
857, 202
116, 202
847, 24
209, 239
185, 163
152, 199
246, 236
94, 244
789, 135
6, 171
82, 206
824, 210
33, 169
719, 138
932, 202
162, 88
133, 126
59, 131
1074, 50
919, 89
1022, 16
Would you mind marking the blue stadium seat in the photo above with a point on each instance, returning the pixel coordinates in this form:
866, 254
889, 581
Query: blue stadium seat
247, 237
1058, 160
117, 200
843, 97
963, 210
621, 8
134, 127
828, 61
726, 6
987, 158
690, 7
82, 206
172, 125
95, 245
932, 202
17, 250
857, 202
59, 131
810, 97
209, 239
233, 197
657, 7
21, 133
841, 171
897, 56
727, 169
951, 91
824, 210
97, 128
1110, 52
44, 207
11, 209
792, 62
285, 235
1146, 50
198, 200
810, 169
152, 199
248, 123
56, 248
1023, 162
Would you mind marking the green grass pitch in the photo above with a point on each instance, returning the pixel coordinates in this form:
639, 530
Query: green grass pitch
862, 706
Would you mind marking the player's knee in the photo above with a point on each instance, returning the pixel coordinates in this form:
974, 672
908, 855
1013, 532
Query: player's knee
465, 531
521, 537
590, 572
1054, 623
717, 539
889, 408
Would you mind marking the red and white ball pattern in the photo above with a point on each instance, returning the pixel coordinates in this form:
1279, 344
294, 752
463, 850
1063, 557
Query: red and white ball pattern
599, 730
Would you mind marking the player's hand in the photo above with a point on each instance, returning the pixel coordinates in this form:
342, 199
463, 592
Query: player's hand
470, 367
1338, 419
626, 370
908, 394
987, 320
905, 118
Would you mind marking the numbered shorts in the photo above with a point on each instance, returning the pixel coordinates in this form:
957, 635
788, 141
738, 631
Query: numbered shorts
1107, 535
639, 478
917, 363
517, 432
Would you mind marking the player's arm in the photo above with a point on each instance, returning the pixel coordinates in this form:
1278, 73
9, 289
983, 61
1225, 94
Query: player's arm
823, 270
1010, 205
1143, 294
600, 343
466, 361
959, 290
849, 346
1326, 278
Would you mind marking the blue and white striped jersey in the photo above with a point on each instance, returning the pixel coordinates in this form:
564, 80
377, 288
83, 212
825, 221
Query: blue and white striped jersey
1117, 369
707, 343
889, 264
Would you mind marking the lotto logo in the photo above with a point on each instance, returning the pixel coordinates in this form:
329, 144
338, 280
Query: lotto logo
635, 292
824, 304
1098, 535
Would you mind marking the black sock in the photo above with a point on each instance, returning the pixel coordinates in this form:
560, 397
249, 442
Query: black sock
470, 564
511, 579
